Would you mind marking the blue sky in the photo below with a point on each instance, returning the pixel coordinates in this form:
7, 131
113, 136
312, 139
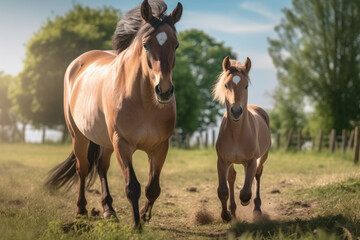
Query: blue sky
242, 25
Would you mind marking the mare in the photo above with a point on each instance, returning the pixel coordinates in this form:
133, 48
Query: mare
120, 101
244, 137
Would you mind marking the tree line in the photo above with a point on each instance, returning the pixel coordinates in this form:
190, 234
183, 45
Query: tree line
316, 52
34, 96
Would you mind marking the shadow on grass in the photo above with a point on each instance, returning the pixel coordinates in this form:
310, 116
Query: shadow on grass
336, 226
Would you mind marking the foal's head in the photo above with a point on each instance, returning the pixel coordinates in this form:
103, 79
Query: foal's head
231, 87
159, 43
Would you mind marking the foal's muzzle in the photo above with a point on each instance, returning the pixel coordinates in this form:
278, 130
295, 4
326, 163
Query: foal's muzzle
166, 96
235, 112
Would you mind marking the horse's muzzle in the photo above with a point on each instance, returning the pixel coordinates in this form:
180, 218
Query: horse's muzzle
235, 112
166, 96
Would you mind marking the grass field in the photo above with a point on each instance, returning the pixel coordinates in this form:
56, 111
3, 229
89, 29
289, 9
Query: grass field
305, 196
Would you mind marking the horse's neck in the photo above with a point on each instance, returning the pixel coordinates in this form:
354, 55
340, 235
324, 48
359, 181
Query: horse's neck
136, 83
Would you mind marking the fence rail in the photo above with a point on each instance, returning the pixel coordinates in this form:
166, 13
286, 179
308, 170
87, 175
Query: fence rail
296, 141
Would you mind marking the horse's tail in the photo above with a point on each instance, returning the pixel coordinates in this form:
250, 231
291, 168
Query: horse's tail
65, 173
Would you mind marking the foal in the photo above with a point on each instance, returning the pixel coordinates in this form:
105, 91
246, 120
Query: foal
244, 136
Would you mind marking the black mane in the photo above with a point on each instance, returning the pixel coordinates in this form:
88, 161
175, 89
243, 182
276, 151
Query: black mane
128, 27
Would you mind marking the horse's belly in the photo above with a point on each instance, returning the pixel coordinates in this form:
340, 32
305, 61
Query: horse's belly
91, 123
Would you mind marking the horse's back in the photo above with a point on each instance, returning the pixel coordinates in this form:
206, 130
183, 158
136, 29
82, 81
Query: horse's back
83, 95
262, 124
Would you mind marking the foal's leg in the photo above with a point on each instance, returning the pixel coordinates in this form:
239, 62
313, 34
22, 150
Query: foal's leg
152, 189
80, 146
106, 197
124, 153
223, 191
259, 170
231, 181
250, 170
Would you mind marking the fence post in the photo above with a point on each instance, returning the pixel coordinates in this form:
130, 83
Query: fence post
356, 144
332, 140
288, 141
187, 141
320, 140
213, 138
177, 140
299, 140
198, 142
278, 140
351, 140
206, 139
343, 140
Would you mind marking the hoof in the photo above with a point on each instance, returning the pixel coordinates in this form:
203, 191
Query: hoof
108, 214
245, 203
226, 217
257, 215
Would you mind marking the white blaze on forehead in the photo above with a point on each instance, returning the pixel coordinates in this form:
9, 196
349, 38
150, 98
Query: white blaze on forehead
236, 79
161, 37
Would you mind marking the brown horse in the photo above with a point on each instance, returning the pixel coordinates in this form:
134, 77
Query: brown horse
244, 136
122, 101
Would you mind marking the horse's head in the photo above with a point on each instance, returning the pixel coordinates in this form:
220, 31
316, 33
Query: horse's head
232, 85
159, 41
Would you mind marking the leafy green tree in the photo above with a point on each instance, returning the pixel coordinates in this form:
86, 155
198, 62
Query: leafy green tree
39, 91
187, 96
317, 57
204, 56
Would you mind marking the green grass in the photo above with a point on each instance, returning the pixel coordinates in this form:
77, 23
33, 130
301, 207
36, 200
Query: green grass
317, 197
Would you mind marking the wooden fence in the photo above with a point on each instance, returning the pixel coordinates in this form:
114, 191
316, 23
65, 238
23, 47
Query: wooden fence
293, 141
296, 141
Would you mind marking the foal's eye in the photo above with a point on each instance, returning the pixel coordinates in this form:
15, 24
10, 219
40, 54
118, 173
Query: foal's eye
246, 87
146, 46
226, 86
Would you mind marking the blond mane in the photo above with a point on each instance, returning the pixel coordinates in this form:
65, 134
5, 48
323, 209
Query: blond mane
218, 91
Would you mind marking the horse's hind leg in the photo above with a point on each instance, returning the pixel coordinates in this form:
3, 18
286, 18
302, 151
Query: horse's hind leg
152, 189
106, 199
80, 146
223, 191
231, 181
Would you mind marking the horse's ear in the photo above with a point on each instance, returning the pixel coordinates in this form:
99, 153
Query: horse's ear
176, 13
146, 12
247, 65
226, 63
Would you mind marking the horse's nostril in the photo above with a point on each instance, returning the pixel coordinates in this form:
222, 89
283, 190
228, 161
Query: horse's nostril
172, 89
158, 89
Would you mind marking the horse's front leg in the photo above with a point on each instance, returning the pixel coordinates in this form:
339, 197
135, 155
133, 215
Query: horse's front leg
231, 181
250, 171
124, 153
152, 189
223, 191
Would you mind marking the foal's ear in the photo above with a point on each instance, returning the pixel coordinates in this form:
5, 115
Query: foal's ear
226, 63
247, 65
176, 13
146, 12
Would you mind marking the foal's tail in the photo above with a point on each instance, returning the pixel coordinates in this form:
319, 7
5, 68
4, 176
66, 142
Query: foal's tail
65, 173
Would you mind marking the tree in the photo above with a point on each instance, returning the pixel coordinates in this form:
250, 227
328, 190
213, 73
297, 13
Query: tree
38, 93
204, 56
187, 97
317, 58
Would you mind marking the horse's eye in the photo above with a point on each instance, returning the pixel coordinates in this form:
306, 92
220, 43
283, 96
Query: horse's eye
146, 46
246, 87
226, 86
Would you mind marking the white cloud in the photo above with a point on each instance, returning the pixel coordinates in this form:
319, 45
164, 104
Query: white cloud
221, 23
259, 9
